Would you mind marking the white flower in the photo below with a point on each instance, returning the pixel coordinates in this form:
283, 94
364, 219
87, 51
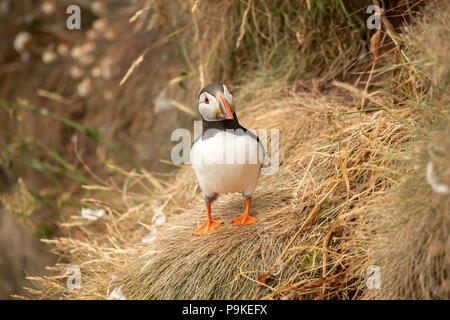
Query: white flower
96, 72
21, 40
90, 214
99, 25
76, 72
98, 7
106, 69
63, 49
84, 88
88, 47
92, 34
87, 59
49, 56
48, 7
76, 52
109, 35
80, 51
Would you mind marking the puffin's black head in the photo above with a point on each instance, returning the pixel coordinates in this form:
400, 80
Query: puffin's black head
215, 103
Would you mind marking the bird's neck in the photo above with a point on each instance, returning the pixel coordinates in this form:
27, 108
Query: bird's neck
222, 125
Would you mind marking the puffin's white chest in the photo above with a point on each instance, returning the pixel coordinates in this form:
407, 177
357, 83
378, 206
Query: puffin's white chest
226, 163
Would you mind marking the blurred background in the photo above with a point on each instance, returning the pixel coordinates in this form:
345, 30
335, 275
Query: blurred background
64, 117
80, 107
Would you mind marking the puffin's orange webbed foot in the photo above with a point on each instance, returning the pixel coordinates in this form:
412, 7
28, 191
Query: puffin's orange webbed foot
210, 223
207, 227
245, 218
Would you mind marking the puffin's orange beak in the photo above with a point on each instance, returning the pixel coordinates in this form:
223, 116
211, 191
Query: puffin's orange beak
225, 107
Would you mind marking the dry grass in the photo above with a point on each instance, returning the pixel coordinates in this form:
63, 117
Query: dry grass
308, 213
407, 231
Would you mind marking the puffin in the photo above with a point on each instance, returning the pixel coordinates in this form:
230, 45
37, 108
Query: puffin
226, 157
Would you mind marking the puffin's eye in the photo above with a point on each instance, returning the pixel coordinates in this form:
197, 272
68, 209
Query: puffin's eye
206, 100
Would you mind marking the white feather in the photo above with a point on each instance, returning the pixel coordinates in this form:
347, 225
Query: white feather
227, 163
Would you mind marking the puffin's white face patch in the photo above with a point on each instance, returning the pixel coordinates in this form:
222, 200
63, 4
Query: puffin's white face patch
207, 105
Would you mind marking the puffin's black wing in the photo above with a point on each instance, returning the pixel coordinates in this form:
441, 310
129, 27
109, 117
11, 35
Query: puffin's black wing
254, 136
